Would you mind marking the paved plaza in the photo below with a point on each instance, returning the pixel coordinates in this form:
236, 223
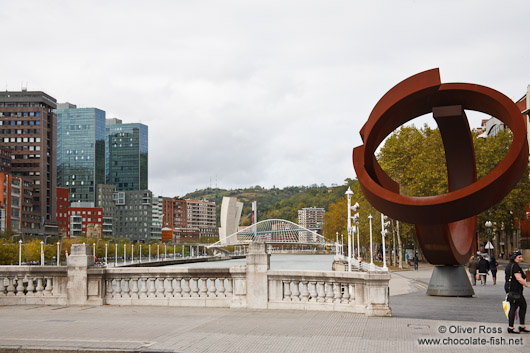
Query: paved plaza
417, 323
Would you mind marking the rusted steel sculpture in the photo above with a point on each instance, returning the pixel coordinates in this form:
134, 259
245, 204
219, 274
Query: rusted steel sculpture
445, 224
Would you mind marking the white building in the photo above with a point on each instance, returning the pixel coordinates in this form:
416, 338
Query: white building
311, 217
230, 217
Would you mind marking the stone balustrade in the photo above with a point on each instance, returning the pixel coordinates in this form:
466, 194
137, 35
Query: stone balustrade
32, 285
252, 285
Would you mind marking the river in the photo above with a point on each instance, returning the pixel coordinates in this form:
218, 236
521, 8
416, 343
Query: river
278, 262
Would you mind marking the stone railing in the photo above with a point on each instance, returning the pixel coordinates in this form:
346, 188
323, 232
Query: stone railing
33, 285
252, 286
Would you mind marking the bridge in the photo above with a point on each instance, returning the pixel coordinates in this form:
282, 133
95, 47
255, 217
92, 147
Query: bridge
273, 231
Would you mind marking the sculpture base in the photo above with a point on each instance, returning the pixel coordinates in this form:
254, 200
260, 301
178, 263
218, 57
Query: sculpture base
450, 281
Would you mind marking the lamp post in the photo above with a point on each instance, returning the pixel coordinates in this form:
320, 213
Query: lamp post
149, 252
488, 225
58, 254
42, 253
371, 246
132, 253
106, 251
140, 252
116, 257
165, 251
20, 252
342, 244
125, 254
157, 252
384, 224
349, 194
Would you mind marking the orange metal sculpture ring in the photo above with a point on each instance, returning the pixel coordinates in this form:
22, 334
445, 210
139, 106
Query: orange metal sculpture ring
445, 224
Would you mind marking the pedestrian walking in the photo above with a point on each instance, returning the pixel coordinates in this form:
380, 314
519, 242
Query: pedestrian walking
515, 281
493, 269
416, 260
483, 268
473, 263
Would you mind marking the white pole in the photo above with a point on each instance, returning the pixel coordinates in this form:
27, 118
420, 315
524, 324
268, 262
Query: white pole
342, 244
42, 253
140, 252
124, 254
58, 254
165, 252
174, 251
94, 250
358, 242
371, 246
116, 257
183, 251
149, 252
20, 252
157, 252
132, 253
349, 193
106, 251
383, 238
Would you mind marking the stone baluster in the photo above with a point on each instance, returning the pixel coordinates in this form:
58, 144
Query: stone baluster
126, 289
2, 286
221, 289
287, 291
305, 291
212, 290
40, 287
296, 291
187, 288
313, 295
152, 284
31, 287
178, 287
229, 287
329, 292
321, 292
169, 287
338, 293
20, 286
108, 288
143, 288
194, 287
346, 293
49, 286
134, 290
204, 288
160, 287
10, 286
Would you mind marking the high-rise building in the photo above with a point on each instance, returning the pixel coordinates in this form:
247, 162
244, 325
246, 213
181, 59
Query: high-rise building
105, 200
127, 155
62, 210
174, 213
157, 219
197, 217
28, 127
311, 217
80, 151
15, 196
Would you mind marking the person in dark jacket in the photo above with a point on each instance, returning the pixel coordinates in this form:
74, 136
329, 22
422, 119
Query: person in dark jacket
515, 281
416, 261
483, 268
493, 268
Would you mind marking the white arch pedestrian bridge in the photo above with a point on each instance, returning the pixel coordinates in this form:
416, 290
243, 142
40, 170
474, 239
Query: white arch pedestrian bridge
273, 231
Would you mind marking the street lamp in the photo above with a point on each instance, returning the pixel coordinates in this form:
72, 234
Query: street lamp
58, 253
356, 220
371, 256
42, 253
488, 225
349, 194
384, 224
20, 252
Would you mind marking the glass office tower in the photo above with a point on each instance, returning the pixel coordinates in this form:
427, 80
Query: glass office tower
127, 155
80, 151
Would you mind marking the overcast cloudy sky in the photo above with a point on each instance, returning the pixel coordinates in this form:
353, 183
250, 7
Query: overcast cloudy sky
240, 92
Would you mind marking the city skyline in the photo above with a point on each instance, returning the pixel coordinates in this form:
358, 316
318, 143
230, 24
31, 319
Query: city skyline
238, 94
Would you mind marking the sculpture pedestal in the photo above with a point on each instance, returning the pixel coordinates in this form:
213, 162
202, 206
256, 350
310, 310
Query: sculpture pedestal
450, 281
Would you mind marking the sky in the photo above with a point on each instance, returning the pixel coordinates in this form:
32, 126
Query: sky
238, 93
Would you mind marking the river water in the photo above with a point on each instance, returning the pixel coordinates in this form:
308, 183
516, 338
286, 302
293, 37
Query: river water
278, 262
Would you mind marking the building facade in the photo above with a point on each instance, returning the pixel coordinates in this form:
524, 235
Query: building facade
174, 213
157, 218
105, 200
63, 204
127, 155
15, 203
230, 217
28, 127
311, 217
80, 151
133, 215
85, 220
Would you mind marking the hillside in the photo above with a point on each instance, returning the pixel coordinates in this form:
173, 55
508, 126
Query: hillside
274, 203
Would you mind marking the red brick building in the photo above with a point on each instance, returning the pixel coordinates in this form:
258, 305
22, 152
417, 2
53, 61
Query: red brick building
85, 221
62, 210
